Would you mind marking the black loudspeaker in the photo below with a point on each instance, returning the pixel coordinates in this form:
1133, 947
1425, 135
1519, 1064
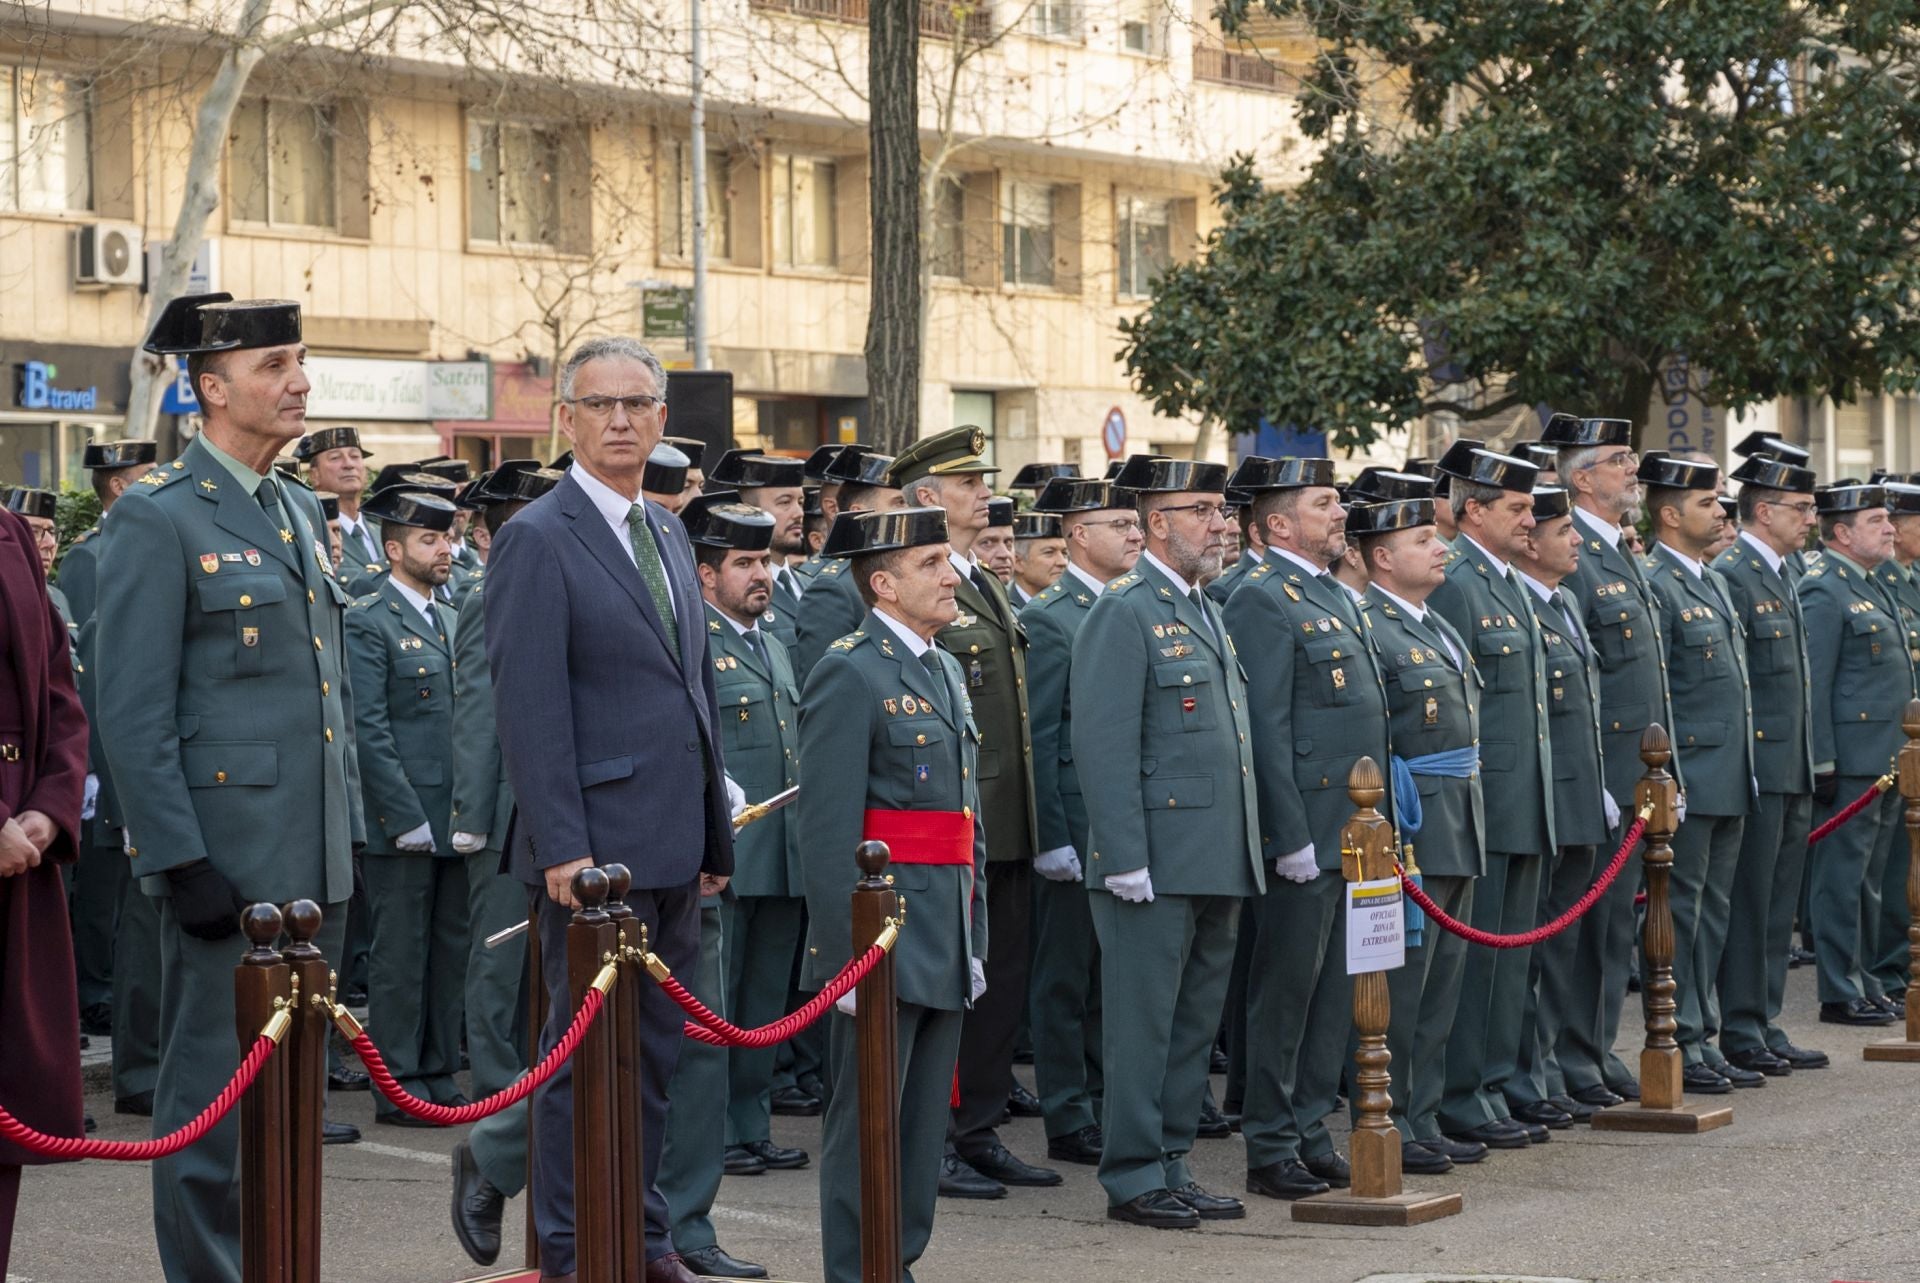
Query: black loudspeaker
700, 404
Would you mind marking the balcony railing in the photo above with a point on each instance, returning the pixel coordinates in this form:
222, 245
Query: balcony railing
1244, 70
939, 19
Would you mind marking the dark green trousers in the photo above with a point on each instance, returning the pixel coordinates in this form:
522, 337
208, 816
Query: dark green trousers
494, 992
761, 933
1890, 956
1064, 999
1444, 965
1170, 958
1299, 1018
1483, 1053
690, 1154
1555, 989
1604, 955
1849, 868
99, 880
416, 970
1706, 858
196, 1193
136, 992
1766, 891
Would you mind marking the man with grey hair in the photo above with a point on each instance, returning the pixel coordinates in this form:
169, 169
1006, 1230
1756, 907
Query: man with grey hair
1598, 467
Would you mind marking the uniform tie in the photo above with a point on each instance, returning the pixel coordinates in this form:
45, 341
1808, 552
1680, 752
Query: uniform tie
646, 556
930, 659
1200, 604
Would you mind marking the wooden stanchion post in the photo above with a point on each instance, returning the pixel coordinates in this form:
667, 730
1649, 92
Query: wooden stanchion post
1376, 1196
876, 1042
1908, 1049
623, 1007
305, 1048
536, 1022
591, 940
265, 1176
1661, 1107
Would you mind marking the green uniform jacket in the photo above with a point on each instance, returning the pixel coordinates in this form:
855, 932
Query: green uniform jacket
1573, 722
80, 574
1052, 620
223, 688
991, 646
1314, 677
403, 669
1861, 670
1769, 611
831, 609
1707, 667
482, 798
1222, 588
104, 828
463, 584
782, 616
758, 703
1434, 706
1624, 625
1503, 642
870, 740
1161, 740
1899, 583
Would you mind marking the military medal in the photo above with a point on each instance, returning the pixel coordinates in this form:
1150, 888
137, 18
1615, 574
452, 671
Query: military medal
1188, 703
249, 636
253, 555
891, 705
209, 562
229, 556
909, 705
922, 772
1433, 711
1339, 679
975, 678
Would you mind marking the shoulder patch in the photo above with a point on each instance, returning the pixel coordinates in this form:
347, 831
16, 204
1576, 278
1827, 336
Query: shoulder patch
837, 566
848, 642
158, 477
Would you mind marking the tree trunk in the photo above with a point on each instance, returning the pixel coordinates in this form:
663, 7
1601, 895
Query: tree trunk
894, 323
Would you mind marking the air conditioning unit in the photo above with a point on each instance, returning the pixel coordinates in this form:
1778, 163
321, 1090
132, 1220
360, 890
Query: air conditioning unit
106, 255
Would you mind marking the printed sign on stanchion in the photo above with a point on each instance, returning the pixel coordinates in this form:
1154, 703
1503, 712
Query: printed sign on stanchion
1376, 926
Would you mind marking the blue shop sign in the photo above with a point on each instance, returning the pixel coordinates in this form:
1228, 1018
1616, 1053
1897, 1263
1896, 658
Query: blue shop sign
179, 397
40, 389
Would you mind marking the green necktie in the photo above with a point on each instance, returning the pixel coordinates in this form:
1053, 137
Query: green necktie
646, 555
930, 660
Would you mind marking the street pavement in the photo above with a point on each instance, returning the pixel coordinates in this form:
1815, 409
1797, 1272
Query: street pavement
1809, 1183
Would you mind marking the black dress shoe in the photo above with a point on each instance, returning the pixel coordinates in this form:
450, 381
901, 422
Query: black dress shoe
1023, 1103
1740, 1077
1798, 957
957, 1180
1628, 1090
395, 1118
1081, 1147
1536, 1133
1801, 1057
355, 997
87, 1124
1494, 1136
1455, 1149
332, 1133
714, 1262
1157, 1210
1854, 1011
1217, 1062
476, 1208
1543, 1113
738, 1160
1288, 1178
1597, 1096
1760, 1061
792, 1102
97, 1018
1213, 1124
344, 1079
1893, 1002
998, 1163
1210, 1207
811, 1084
1704, 1080
778, 1158
1331, 1168
140, 1104
1572, 1108
1417, 1160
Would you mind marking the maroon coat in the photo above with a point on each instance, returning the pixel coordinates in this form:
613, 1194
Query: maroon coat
43, 767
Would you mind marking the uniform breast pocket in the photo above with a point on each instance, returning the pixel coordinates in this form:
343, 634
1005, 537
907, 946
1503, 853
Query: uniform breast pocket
1188, 692
1334, 663
924, 741
236, 611
1501, 655
1873, 637
1772, 647
973, 647
1700, 649
1620, 631
1425, 687
746, 718
417, 680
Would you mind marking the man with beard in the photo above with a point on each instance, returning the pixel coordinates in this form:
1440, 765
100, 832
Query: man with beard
400, 648
777, 487
1315, 679
1160, 728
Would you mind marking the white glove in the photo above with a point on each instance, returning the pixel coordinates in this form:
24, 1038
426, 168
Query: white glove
1135, 887
468, 843
90, 799
418, 839
1680, 809
1062, 864
126, 842
846, 1004
978, 970
736, 797
1612, 809
1301, 866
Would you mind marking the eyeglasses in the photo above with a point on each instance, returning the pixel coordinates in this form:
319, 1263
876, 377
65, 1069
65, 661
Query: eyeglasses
1627, 461
1797, 509
1205, 511
601, 407
1120, 525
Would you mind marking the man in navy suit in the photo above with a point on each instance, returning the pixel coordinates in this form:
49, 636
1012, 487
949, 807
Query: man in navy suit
597, 645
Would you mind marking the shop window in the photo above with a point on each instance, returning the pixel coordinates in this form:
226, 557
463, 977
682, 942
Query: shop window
804, 213
282, 169
46, 141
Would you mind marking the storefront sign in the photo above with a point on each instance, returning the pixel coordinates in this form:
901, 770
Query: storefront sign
666, 313
65, 378
375, 391
40, 390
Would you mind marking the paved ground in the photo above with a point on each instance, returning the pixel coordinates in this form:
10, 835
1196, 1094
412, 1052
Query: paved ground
1811, 1182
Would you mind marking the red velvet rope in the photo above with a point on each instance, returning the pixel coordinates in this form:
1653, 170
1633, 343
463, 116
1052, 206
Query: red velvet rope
1546, 931
709, 1028
141, 1151
1847, 812
512, 1094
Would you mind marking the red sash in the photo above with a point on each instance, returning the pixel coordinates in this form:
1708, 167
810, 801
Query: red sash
922, 837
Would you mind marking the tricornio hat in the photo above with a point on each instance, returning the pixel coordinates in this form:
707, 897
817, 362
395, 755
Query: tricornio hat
195, 323
1257, 474
1077, 494
1482, 467
1678, 474
1550, 502
1034, 476
1848, 496
720, 520
105, 455
1769, 473
1157, 474
1377, 485
748, 470
1036, 525
401, 506
29, 502
1770, 445
855, 534
1571, 432
1385, 517
999, 511
666, 471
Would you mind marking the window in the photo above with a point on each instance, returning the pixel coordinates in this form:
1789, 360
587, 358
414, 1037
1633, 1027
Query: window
1145, 236
803, 212
46, 141
1055, 19
676, 214
282, 163
513, 182
1026, 234
1141, 28
947, 253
